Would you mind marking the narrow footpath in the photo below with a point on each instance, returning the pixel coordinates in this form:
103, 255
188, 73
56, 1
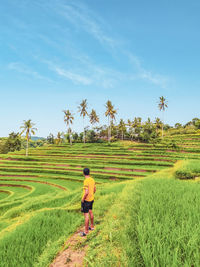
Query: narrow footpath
73, 252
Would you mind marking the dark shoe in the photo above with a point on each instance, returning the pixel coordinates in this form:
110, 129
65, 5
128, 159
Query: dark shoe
82, 234
91, 229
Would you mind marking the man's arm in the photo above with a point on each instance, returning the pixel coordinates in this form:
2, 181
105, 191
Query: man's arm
85, 195
95, 189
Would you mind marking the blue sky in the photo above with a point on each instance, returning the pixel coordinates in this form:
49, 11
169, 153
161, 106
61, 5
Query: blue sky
55, 53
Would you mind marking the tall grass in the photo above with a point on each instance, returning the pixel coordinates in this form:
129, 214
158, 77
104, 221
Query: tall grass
154, 223
25, 245
188, 169
168, 223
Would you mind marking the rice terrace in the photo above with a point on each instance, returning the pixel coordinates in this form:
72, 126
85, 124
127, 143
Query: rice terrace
99, 133
142, 183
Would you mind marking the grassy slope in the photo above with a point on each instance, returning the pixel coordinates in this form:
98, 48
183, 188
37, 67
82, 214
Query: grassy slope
46, 215
155, 222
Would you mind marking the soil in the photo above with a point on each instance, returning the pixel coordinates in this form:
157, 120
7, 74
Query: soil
180, 151
34, 181
128, 170
9, 159
74, 253
60, 165
113, 179
17, 185
17, 175
160, 156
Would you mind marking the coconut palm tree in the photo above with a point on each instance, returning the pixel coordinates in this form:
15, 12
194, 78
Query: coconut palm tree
28, 128
110, 113
82, 109
122, 127
162, 105
93, 117
68, 119
59, 138
130, 128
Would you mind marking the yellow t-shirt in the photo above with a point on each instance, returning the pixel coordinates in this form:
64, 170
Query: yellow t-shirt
89, 184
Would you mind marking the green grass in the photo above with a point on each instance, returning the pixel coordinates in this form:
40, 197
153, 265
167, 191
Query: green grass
189, 169
27, 242
155, 222
126, 206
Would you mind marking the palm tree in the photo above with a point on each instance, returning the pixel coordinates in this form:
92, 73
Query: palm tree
82, 109
158, 123
68, 119
162, 105
28, 128
110, 113
93, 117
122, 127
59, 138
130, 127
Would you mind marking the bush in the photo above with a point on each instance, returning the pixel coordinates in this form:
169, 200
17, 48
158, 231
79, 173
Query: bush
189, 169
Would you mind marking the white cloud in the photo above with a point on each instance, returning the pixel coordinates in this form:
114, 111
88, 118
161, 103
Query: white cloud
22, 68
81, 69
74, 77
81, 17
144, 74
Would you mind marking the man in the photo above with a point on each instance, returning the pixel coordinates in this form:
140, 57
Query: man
89, 189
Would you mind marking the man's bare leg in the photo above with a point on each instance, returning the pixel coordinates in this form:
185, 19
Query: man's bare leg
86, 222
91, 218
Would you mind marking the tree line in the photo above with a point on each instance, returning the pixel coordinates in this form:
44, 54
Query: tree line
136, 129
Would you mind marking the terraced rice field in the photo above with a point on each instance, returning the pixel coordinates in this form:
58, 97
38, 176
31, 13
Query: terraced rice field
188, 142
40, 194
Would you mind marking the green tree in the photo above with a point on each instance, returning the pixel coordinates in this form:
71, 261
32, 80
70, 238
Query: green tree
149, 133
137, 126
122, 128
158, 123
50, 139
68, 119
59, 138
178, 125
162, 105
12, 143
93, 117
28, 129
110, 113
82, 109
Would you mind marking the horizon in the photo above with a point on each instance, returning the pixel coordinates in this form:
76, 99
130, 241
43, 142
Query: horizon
56, 54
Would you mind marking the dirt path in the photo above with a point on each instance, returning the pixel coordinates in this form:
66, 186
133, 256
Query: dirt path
73, 252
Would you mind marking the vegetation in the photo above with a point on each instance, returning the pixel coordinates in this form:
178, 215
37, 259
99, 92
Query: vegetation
110, 113
188, 169
154, 223
139, 221
28, 128
68, 119
40, 196
82, 108
162, 106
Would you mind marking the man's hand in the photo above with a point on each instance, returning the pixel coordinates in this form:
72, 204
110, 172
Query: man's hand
85, 195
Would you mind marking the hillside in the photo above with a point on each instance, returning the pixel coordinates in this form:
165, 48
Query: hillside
40, 202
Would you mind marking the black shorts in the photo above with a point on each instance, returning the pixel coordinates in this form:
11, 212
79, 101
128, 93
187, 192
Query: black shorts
86, 206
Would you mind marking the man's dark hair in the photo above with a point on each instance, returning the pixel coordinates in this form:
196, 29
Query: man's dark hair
86, 171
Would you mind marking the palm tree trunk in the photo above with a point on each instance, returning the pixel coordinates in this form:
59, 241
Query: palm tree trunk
162, 124
83, 131
27, 147
109, 129
70, 137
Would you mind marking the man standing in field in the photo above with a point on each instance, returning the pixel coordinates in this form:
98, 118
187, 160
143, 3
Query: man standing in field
87, 201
